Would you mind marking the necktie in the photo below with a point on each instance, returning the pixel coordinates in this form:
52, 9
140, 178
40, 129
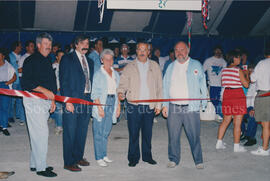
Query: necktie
85, 71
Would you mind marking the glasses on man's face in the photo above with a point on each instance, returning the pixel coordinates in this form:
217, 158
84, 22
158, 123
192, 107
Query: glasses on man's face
124, 48
142, 50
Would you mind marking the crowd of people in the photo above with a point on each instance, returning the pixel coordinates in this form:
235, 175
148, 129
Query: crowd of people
109, 77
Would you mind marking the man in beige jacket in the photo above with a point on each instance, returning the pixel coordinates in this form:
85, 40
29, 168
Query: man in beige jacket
141, 80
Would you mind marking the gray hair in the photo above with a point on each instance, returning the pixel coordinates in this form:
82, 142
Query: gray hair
183, 43
43, 35
106, 52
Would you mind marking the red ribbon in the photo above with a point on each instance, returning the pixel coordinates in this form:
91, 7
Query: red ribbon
17, 93
198, 99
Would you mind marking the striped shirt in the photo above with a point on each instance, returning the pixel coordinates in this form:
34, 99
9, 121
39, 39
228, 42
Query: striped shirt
230, 78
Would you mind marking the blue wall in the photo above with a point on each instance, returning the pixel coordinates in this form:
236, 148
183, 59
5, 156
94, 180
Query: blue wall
201, 46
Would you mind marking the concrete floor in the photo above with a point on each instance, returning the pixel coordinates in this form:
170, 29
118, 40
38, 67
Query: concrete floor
221, 165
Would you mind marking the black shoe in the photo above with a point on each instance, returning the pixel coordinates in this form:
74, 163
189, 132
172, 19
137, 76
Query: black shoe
243, 137
6, 132
152, 162
250, 142
47, 173
132, 164
11, 120
47, 169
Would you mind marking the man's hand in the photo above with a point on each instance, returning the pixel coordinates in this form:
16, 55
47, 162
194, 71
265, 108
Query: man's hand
157, 111
101, 112
53, 107
48, 94
121, 96
70, 107
165, 112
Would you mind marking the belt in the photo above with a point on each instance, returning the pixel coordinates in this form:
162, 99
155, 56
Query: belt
111, 95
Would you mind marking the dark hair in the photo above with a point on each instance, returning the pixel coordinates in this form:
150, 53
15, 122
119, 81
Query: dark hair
59, 51
27, 43
67, 48
15, 45
57, 45
97, 40
232, 54
3, 51
217, 47
80, 38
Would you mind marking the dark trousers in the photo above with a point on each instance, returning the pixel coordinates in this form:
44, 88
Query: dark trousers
251, 129
180, 116
140, 117
75, 127
215, 99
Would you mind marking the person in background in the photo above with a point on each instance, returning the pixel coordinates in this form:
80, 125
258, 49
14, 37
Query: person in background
234, 100
213, 67
250, 132
122, 60
7, 77
16, 105
151, 55
141, 79
116, 52
261, 76
55, 48
94, 55
105, 82
67, 49
168, 62
185, 79
30, 49
57, 115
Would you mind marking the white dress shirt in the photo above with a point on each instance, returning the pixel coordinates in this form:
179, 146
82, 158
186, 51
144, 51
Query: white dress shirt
111, 81
80, 58
179, 86
261, 75
55, 66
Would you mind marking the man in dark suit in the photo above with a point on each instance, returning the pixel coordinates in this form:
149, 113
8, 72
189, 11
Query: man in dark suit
76, 75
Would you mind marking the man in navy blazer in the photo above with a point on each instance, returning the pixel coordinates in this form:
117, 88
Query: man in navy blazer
76, 75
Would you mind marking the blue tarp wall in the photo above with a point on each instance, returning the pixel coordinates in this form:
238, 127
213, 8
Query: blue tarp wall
201, 46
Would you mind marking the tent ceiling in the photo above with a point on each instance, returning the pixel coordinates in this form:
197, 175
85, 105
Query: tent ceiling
227, 18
